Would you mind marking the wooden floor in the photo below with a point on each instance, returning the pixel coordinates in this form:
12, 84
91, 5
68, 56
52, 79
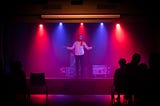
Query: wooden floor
73, 100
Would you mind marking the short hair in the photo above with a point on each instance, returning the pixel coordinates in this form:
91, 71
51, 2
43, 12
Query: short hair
122, 61
136, 57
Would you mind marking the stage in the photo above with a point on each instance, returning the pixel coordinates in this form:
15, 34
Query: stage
76, 86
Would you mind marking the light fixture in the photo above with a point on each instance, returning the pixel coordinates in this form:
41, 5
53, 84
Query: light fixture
102, 16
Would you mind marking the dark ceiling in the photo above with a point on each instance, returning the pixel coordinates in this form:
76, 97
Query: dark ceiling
30, 10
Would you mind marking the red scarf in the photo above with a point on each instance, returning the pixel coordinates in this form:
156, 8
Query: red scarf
81, 43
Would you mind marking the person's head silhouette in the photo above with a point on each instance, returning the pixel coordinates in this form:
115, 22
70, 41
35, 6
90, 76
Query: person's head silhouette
122, 62
136, 58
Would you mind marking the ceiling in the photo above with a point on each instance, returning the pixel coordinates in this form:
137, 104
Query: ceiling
31, 10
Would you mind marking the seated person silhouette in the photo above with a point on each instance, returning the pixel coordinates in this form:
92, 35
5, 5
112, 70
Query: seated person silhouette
17, 83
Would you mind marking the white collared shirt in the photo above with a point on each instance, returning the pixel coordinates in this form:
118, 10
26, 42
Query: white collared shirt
79, 48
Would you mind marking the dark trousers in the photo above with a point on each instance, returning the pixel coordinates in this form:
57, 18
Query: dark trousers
79, 65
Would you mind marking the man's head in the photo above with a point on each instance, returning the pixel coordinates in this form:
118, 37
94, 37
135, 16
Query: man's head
136, 58
122, 62
80, 37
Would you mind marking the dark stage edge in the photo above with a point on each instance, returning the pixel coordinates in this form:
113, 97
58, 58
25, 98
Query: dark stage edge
75, 86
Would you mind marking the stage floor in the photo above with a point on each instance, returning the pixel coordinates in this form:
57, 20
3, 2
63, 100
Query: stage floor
71, 100
74, 92
76, 86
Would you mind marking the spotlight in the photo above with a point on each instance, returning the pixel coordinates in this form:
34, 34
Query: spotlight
60, 23
81, 23
101, 23
40, 25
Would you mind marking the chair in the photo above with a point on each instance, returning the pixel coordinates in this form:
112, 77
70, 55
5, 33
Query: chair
38, 84
122, 95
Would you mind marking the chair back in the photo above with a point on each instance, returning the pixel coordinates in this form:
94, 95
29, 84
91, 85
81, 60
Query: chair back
37, 79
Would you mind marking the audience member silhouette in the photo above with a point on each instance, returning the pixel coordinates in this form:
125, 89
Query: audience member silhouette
131, 70
17, 84
140, 85
119, 78
153, 79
